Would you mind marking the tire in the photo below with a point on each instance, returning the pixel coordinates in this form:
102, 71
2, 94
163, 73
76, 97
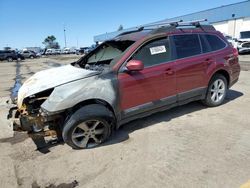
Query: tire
9, 59
88, 127
217, 91
31, 57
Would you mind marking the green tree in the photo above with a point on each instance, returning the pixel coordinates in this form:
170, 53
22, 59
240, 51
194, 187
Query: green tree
50, 42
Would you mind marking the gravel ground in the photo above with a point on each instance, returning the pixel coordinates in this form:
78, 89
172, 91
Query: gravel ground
188, 146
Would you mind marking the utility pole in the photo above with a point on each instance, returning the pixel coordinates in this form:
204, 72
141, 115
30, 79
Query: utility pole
64, 30
233, 16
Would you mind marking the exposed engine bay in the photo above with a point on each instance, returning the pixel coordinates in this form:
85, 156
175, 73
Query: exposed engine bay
97, 67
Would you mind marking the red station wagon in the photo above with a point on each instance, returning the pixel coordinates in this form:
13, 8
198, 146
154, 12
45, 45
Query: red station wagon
135, 74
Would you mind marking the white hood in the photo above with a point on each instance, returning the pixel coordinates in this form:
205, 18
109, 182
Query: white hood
51, 78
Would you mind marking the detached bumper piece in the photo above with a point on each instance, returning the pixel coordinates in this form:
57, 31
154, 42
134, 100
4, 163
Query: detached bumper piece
42, 129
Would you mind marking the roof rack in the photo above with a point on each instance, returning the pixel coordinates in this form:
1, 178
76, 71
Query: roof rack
174, 24
161, 24
143, 27
179, 23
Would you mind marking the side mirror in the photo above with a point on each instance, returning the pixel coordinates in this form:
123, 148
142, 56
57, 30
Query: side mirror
135, 65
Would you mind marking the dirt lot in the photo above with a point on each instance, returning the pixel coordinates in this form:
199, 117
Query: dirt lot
188, 146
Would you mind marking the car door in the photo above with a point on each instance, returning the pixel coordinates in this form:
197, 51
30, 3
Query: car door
153, 86
1, 55
190, 66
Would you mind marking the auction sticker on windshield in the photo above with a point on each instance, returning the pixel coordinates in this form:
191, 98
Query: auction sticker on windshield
157, 50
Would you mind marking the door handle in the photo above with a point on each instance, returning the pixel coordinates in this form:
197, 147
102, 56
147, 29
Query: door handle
169, 71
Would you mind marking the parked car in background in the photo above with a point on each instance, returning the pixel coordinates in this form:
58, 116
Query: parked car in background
82, 51
66, 51
69, 50
10, 55
135, 74
230, 39
53, 52
20, 57
243, 43
29, 54
58, 51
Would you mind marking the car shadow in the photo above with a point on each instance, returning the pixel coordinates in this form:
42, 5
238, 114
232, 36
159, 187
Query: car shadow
122, 134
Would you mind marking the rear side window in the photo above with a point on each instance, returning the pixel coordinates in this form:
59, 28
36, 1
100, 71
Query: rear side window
187, 45
214, 42
153, 53
204, 44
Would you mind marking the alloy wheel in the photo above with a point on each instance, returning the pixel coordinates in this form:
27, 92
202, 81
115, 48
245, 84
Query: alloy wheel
218, 90
89, 134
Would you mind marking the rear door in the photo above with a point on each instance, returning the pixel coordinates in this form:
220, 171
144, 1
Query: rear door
190, 66
152, 87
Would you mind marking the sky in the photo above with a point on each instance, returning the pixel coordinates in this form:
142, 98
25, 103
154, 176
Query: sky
26, 23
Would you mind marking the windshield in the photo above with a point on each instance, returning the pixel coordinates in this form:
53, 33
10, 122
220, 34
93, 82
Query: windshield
245, 34
104, 53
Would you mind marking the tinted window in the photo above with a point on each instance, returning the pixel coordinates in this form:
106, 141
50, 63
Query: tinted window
215, 42
186, 45
154, 52
205, 45
245, 34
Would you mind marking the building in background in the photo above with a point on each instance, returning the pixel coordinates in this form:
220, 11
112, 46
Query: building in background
229, 19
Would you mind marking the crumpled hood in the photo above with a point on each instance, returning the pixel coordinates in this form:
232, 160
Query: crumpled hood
51, 78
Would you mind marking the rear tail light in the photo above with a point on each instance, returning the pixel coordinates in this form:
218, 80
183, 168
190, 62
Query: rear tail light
235, 52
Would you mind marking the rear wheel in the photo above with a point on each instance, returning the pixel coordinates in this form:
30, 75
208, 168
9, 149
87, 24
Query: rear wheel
88, 127
9, 59
31, 57
216, 91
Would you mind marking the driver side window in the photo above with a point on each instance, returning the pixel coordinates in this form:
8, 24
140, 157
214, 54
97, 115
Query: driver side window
154, 52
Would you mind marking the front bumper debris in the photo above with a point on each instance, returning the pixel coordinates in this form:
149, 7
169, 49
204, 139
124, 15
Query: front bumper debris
38, 126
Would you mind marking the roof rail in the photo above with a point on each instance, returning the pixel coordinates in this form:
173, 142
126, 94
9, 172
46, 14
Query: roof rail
174, 24
161, 24
195, 23
131, 31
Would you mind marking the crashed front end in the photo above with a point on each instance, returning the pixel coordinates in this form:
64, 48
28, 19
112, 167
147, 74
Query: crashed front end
27, 115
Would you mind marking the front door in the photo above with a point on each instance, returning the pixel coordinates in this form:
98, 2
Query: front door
152, 87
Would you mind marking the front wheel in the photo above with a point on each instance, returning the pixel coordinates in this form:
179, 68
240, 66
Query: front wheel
216, 91
88, 127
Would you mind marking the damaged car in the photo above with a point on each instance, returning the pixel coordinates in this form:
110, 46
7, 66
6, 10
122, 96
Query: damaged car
131, 76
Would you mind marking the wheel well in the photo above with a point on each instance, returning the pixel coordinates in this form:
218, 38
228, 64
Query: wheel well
224, 73
94, 101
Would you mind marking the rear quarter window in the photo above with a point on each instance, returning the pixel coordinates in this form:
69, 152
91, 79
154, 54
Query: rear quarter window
214, 42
